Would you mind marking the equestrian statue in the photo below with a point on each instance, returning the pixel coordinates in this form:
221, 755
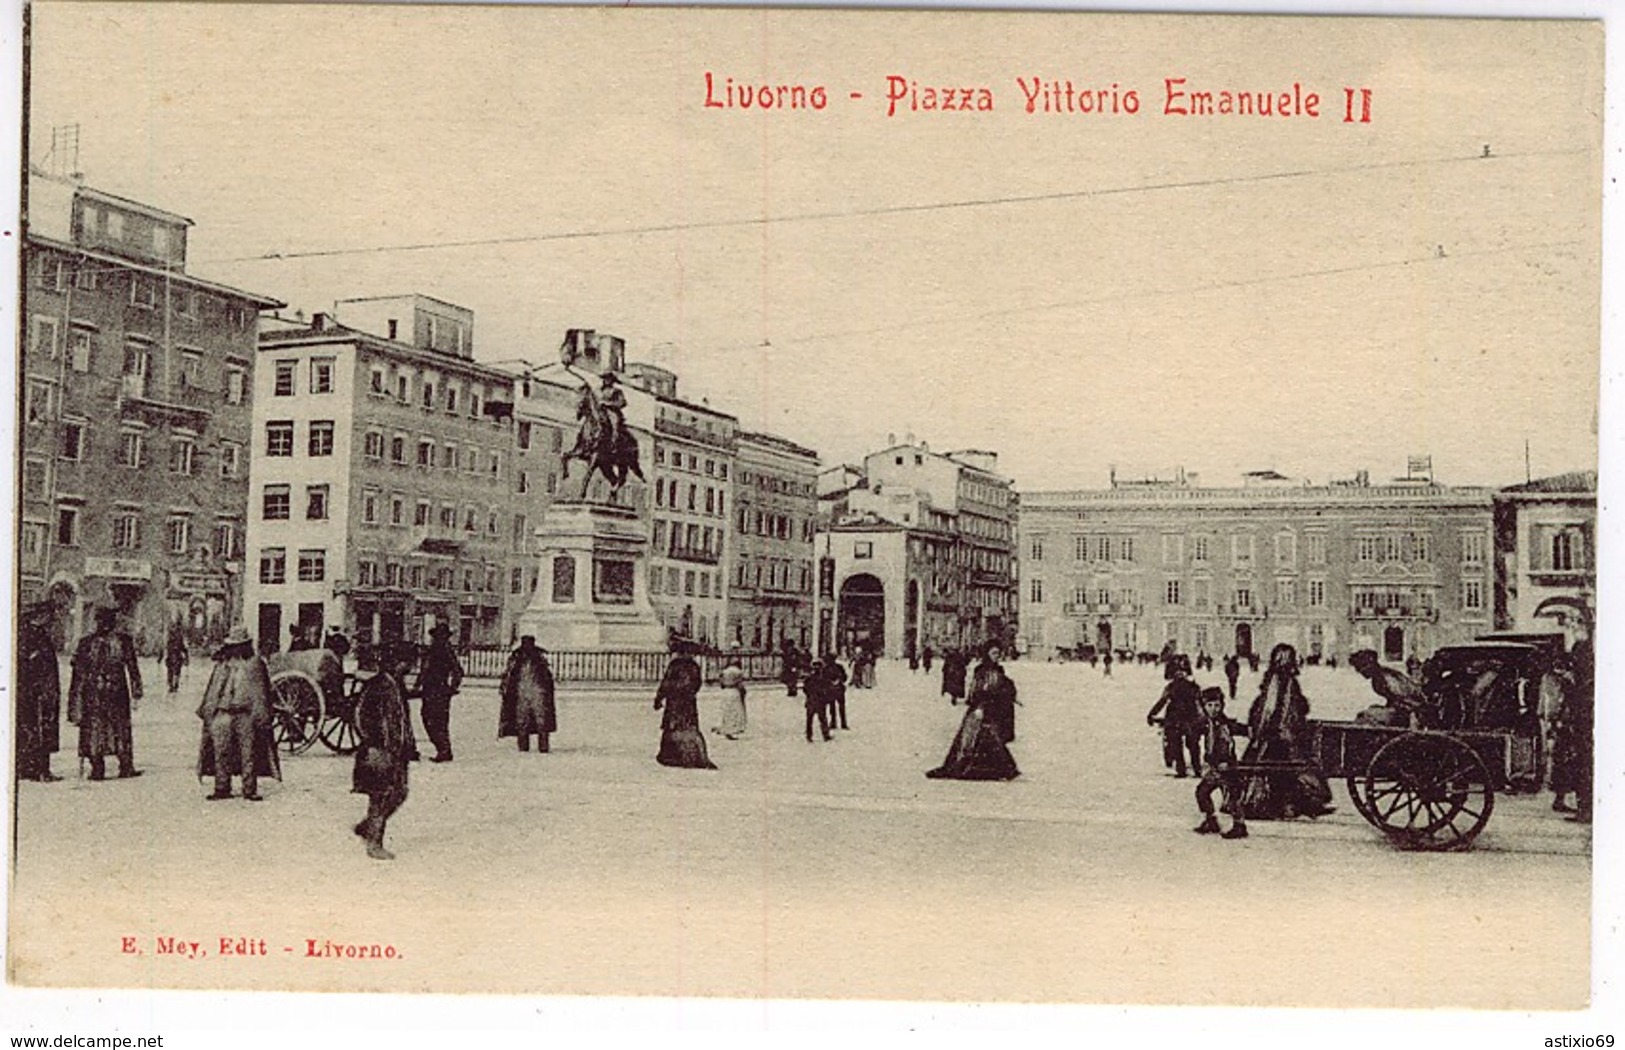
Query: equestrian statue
604, 443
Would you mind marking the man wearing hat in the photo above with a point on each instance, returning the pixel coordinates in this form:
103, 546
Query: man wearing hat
106, 684
527, 697
39, 694
381, 762
438, 681
236, 714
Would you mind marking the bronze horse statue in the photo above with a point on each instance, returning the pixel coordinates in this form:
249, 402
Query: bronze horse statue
604, 443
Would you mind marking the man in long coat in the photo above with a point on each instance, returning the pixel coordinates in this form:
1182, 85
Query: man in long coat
527, 697
39, 694
106, 684
236, 714
381, 762
174, 654
439, 678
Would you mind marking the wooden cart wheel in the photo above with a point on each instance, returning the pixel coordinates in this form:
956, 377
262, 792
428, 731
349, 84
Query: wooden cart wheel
1428, 791
340, 734
296, 711
1362, 805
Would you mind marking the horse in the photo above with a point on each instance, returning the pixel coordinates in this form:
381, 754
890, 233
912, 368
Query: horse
598, 448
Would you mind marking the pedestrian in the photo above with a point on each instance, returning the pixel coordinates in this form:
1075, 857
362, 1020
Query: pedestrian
978, 751
913, 655
816, 699
999, 703
1278, 732
788, 659
236, 716
1181, 708
39, 694
104, 689
1106, 664
381, 763
835, 679
953, 675
926, 656
1579, 705
1405, 705
1232, 672
681, 742
337, 643
175, 654
528, 697
732, 680
439, 679
1218, 742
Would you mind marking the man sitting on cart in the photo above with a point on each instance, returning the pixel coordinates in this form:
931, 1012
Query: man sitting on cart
1405, 704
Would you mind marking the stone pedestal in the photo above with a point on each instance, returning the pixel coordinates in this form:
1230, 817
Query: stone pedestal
593, 589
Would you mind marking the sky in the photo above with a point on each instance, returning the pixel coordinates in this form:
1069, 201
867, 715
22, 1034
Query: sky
1077, 292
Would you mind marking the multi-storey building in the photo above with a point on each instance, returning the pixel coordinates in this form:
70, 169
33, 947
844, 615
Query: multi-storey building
1546, 532
1400, 568
694, 450
770, 597
135, 418
967, 486
382, 487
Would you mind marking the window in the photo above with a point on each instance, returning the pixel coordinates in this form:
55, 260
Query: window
1035, 550
1241, 550
1472, 595
425, 453
283, 384
279, 437
273, 565
373, 445
275, 504
521, 533
1393, 547
1125, 548
321, 437
36, 478
1199, 549
523, 436
451, 399
428, 394
516, 580
73, 442
397, 449
67, 526
1244, 598
182, 453
180, 534
312, 566
321, 375
1286, 550
1103, 548
37, 407
46, 339
1171, 593
1315, 546
392, 574
1173, 550
1035, 591
496, 464
448, 516
471, 519
522, 482
1472, 548
126, 531
1419, 546
1317, 594
369, 507
1286, 593
397, 509
448, 456
376, 381
403, 387
688, 582
143, 291
422, 513
131, 448
236, 380
1201, 593
863, 549
1365, 547
225, 540
316, 502
80, 343
191, 369
1563, 548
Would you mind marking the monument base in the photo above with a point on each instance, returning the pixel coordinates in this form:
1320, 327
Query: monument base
593, 589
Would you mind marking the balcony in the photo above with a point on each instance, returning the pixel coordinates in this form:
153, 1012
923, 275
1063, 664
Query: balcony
1419, 613
189, 405
683, 552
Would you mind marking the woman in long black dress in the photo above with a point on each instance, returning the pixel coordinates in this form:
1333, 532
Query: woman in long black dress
978, 751
681, 743
1278, 731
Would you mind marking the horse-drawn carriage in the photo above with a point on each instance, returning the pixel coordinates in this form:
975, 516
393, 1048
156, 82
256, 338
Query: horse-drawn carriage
1433, 787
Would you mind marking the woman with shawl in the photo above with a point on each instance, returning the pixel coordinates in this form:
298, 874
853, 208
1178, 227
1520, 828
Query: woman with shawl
1278, 732
681, 743
732, 680
978, 751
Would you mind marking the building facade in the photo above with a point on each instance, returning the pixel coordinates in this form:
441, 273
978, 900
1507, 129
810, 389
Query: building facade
381, 486
1401, 568
770, 595
694, 451
1546, 538
135, 428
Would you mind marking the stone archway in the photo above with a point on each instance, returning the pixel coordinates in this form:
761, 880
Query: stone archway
862, 613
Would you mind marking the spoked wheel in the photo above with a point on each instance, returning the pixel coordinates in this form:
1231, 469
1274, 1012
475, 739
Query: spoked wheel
296, 711
1428, 791
340, 734
1362, 805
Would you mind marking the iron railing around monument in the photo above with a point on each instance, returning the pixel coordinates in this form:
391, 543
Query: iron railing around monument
628, 668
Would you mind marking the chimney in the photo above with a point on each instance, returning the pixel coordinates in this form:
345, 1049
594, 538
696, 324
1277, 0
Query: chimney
319, 321
891, 438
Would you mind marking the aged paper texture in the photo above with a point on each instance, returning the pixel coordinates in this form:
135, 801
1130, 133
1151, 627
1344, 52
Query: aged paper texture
1186, 253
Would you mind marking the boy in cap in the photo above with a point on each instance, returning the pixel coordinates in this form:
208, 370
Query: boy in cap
1218, 740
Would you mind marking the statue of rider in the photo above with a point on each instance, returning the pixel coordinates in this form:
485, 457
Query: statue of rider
612, 406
